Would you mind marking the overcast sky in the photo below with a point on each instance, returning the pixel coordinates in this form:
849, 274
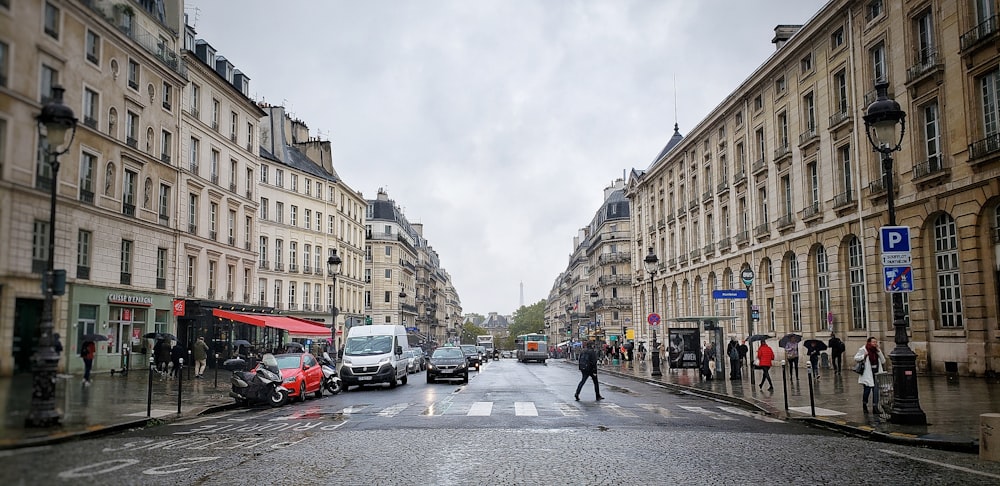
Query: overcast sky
495, 123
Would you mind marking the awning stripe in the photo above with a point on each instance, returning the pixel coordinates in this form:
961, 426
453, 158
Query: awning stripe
295, 326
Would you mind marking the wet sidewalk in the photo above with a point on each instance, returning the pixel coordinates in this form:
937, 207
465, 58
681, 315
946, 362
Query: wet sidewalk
109, 404
952, 406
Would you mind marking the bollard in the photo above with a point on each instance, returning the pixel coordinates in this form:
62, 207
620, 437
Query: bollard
784, 385
812, 401
149, 388
180, 378
989, 437
190, 367
216, 370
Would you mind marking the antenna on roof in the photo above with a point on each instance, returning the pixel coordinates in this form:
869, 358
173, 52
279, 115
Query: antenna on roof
675, 99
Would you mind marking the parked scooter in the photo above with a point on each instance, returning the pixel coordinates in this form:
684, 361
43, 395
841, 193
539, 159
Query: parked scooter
331, 381
262, 385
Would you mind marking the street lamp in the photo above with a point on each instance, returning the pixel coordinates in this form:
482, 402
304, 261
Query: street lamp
333, 268
402, 295
593, 304
53, 122
650, 263
882, 118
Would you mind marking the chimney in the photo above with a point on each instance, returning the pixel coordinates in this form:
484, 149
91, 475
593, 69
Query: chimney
782, 33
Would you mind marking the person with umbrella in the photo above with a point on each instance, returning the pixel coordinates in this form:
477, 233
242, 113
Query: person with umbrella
791, 345
813, 348
837, 349
87, 351
200, 354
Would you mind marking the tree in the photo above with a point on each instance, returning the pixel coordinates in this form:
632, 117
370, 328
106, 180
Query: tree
527, 319
469, 333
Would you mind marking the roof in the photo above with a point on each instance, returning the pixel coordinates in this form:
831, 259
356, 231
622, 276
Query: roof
674, 140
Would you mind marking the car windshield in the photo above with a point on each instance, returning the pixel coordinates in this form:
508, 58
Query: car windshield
469, 350
288, 362
448, 353
368, 345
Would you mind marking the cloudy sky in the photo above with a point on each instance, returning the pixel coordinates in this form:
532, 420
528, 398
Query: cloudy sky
495, 123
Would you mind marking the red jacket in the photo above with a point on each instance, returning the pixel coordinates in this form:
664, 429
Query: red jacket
765, 354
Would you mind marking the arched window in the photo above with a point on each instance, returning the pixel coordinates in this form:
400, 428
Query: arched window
823, 287
856, 280
947, 271
793, 286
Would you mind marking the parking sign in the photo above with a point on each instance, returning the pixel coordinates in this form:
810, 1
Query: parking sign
895, 239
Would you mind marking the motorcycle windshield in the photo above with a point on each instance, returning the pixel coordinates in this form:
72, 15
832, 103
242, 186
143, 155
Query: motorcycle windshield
270, 363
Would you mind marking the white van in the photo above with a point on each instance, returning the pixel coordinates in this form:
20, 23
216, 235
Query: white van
374, 354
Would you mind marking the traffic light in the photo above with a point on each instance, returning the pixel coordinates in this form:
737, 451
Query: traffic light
368, 320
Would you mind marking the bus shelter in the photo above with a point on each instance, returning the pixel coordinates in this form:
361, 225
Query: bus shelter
684, 348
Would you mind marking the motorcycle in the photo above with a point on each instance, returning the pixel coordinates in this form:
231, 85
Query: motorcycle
260, 386
331, 382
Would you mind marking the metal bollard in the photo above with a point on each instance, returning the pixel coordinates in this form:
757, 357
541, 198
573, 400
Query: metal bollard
812, 401
149, 388
190, 367
180, 378
784, 385
216, 370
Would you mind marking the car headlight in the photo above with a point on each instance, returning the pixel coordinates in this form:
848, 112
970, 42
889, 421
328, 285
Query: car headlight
430, 366
383, 361
290, 379
346, 361
461, 366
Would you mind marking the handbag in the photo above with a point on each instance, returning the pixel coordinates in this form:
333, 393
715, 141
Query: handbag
756, 363
859, 367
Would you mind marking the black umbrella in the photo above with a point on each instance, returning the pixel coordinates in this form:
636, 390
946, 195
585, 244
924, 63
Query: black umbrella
758, 337
160, 335
788, 337
814, 344
94, 337
241, 342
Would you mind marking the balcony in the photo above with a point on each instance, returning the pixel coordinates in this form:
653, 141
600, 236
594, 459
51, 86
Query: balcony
695, 254
213, 235
293, 306
279, 267
193, 167
682, 259
293, 268
930, 171
125, 278
131, 142
128, 210
780, 154
927, 63
661, 223
985, 149
211, 293
232, 187
246, 245
692, 204
742, 237
709, 249
808, 137
706, 197
232, 137
723, 187
82, 272
318, 271
164, 219
758, 166
86, 196
306, 269
90, 122
229, 296
246, 298
215, 178
215, 125
844, 200
193, 229
670, 217
249, 193
985, 30
739, 177
165, 158
762, 230
785, 222
840, 117
249, 147
811, 212
264, 265
161, 283
232, 241
725, 243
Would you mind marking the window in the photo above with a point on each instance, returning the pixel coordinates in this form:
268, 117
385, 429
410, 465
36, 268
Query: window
932, 138
761, 143
796, 298
126, 262
87, 164
250, 136
856, 272
306, 259
762, 197
293, 215
294, 181
128, 192
39, 246
192, 269
837, 38
263, 208
926, 52
167, 94
279, 178
52, 19
193, 213
50, 78
248, 230
307, 218
193, 157
840, 85
388, 274
279, 212
215, 114
990, 89
782, 131
388, 297
214, 166
263, 251
231, 225
234, 126
812, 172
213, 217
786, 189
877, 55
823, 287
279, 250
212, 271
166, 146
780, 85
291, 295
809, 112
308, 183
133, 74
846, 171
4, 55
92, 47
758, 103
293, 256
263, 174
233, 174
161, 268
83, 248
195, 99
873, 10
131, 129
946, 268
806, 63
164, 203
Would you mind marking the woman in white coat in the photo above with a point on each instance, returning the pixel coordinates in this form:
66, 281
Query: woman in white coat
874, 361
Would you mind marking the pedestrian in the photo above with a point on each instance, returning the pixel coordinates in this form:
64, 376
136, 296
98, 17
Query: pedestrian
588, 369
199, 353
87, 351
813, 353
837, 349
733, 351
792, 355
57, 344
744, 349
629, 351
874, 361
765, 355
177, 353
707, 355
642, 352
161, 353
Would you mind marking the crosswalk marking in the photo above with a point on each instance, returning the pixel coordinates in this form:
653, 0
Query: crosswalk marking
649, 407
568, 410
618, 410
481, 409
525, 409
393, 410
708, 413
755, 416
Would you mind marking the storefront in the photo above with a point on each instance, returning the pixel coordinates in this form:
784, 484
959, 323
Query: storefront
117, 322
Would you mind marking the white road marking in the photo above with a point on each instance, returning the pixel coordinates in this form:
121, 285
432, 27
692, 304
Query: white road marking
708, 413
617, 410
481, 409
152, 413
568, 410
393, 410
657, 410
525, 409
942, 464
820, 412
755, 416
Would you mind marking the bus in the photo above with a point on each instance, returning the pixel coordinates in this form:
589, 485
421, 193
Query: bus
531, 347
486, 341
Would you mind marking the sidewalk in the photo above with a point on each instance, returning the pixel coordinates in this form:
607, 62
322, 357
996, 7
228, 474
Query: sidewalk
111, 403
952, 407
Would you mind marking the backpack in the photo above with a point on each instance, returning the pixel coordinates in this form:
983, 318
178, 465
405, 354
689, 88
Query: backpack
84, 348
585, 361
734, 353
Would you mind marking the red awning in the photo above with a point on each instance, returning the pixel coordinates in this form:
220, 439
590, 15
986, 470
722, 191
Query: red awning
296, 327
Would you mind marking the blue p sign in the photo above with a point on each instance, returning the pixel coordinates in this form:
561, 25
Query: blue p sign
895, 239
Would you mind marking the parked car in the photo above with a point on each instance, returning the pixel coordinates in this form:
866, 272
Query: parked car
472, 357
414, 360
448, 363
301, 374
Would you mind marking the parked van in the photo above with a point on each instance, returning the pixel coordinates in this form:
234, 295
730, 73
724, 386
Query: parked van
374, 354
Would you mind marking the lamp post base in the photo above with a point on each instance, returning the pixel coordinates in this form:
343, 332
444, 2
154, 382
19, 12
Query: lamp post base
655, 357
43, 411
905, 400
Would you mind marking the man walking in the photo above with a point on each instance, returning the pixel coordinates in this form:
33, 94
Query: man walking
588, 369
837, 348
200, 355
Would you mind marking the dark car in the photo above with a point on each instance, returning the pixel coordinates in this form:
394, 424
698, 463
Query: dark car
472, 356
448, 363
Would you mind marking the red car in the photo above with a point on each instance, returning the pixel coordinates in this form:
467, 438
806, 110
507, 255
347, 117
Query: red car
301, 373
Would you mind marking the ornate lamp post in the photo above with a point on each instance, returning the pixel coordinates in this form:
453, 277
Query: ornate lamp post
333, 268
651, 263
882, 118
53, 122
402, 295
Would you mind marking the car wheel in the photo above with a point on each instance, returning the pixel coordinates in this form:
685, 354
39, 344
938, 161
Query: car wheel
465, 377
319, 391
393, 382
302, 391
429, 378
403, 381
